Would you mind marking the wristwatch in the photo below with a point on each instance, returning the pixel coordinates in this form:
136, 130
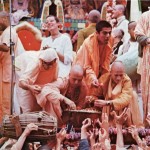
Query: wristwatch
108, 103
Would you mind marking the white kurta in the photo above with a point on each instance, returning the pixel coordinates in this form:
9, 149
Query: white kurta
122, 23
63, 45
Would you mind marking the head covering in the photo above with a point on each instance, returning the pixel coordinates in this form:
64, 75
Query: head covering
48, 55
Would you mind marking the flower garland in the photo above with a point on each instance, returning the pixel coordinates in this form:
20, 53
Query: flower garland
143, 133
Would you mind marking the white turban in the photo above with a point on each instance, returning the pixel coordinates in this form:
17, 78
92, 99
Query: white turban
48, 55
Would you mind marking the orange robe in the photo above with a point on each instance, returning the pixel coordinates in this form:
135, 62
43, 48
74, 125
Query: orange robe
121, 95
94, 58
5, 72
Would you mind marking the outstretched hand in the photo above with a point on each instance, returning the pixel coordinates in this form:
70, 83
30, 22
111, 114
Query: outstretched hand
122, 117
133, 130
61, 135
148, 118
70, 103
85, 125
30, 127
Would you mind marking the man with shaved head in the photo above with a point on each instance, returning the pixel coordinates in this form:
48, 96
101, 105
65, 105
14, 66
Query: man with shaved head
116, 93
131, 48
70, 90
122, 22
93, 18
131, 44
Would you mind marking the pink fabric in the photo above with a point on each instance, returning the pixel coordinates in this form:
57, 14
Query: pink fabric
5, 57
143, 28
5, 72
35, 74
56, 92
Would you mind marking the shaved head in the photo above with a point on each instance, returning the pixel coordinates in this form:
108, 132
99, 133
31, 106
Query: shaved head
118, 11
4, 21
76, 76
120, 7
94, 16
117, 71
117, 65
118, 33
131, 28
76, 69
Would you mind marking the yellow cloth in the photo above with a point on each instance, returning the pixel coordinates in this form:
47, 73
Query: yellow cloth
84, 33
121, 96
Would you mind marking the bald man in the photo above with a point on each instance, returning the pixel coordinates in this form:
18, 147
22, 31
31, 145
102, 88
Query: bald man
116, 93
122, 22
93, 18
117, 36
70, 90
131, 44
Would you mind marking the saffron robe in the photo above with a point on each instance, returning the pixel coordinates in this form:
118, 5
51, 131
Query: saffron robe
121, 96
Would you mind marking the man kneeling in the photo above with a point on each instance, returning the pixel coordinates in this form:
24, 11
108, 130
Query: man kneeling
115, 93
70, 90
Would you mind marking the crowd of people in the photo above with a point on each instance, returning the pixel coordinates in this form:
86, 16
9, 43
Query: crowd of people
95, 76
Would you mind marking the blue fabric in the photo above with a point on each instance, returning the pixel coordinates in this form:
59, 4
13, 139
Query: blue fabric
84, 145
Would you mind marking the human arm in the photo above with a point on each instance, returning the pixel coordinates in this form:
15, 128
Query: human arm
134, 132
141, 142
84, 135
143, 40
60, 137
35, 89
19, 144
56, 91
148, 118
4, 48
28, 78
119, 122
141, 30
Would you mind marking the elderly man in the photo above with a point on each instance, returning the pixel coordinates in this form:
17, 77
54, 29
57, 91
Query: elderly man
122, 22
116, 93
142, 32
36, 70
93, 18
95, 53
70, 90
